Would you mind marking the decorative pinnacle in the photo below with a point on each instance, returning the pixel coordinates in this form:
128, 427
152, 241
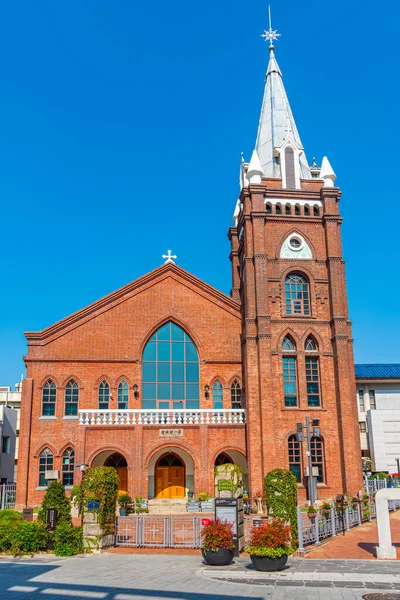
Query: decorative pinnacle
271, 34
169, 257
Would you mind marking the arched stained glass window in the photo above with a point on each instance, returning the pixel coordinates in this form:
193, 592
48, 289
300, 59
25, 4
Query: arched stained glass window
310, 344
68, 465
71, 398
45, 464
123, 395
217, 394
223, 459
170, 372
294, 457
236, 395
288, 344
104, 395
49, 399
297, 295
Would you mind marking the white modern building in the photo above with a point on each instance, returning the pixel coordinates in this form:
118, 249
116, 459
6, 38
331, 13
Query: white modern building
8, 430
378, 395
12, 401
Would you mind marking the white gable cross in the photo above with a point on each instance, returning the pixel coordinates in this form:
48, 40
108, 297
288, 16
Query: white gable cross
169, 257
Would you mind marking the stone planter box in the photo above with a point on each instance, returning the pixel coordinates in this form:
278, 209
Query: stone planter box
192, 506
207, 506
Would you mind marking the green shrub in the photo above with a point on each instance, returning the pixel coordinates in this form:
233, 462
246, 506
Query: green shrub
8, 517
280, 488
28, 537
102, 483
55, 498
379, 476
68, 540
5, 541
204, 496
124, 500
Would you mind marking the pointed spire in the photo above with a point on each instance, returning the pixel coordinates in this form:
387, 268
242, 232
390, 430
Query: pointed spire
327, 173
254, 171
275, 115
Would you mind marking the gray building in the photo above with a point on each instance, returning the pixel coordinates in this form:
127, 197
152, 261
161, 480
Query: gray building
12, 400
8, 434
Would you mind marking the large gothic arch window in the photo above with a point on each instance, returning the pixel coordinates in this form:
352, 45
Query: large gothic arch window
170, 372
297, 294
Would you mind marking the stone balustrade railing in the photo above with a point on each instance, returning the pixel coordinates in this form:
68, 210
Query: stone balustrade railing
163, 417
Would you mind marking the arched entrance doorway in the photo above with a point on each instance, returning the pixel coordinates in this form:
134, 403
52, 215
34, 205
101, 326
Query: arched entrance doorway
119, 463
170, 476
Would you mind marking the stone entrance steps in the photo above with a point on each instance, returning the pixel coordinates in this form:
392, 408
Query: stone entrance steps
174, 506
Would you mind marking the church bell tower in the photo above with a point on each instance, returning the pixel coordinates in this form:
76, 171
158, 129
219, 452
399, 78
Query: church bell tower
288, 275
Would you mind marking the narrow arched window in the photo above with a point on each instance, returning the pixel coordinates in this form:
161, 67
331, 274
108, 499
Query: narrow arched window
297, 209
288, 209
294, 454
217, 394
123, 395
104, 395
306, 210
236, 395
68, 465
297, 295
45, 464
310, 345
278, 209
223, 459
317, 457
288, 344
268, 208
49, 394
312, 381
289, 367
316, 210
170, 371
71, 398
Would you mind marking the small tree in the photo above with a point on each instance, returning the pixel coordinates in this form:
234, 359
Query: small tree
280, 487
101, 483
55, 498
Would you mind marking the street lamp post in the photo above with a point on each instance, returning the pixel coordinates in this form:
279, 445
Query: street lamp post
310, 428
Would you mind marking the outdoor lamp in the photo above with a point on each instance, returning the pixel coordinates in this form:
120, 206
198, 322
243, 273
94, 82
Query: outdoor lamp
206, 391
136, 390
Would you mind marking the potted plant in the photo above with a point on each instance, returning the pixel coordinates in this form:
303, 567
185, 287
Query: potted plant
190, 494
270, 545
312, 512
123, 501
217, 548
326, 509
141, 505
205, 502
354, 502
365, 499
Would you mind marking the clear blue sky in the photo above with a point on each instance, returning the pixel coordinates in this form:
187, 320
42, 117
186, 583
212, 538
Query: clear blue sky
121, 128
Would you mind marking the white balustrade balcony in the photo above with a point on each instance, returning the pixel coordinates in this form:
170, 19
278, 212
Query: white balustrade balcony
163, 417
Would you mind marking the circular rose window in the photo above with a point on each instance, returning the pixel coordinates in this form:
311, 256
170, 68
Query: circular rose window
295, 243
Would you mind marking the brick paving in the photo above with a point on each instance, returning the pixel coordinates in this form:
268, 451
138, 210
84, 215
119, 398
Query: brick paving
358, 543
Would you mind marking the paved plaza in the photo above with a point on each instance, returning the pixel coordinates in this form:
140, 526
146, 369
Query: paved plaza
177, 577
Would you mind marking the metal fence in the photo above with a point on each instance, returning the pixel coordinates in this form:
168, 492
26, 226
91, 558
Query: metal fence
373, 485
159, 532
328, 523
7, 495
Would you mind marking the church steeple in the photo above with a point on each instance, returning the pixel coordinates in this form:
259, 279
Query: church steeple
277, 128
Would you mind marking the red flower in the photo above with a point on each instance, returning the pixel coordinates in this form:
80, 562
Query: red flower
218, 534
270, 535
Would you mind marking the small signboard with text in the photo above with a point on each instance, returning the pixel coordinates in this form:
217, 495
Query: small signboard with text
27, 514
171, 432
225, 485
93, 505
51, 519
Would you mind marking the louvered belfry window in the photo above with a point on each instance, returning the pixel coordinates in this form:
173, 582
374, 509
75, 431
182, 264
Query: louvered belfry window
289, 168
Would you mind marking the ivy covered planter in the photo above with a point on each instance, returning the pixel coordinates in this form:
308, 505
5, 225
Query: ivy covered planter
264, 563
219, 557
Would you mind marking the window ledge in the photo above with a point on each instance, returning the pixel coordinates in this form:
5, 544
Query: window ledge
68, 487
41, 489
71, 417
321, 485
47, 418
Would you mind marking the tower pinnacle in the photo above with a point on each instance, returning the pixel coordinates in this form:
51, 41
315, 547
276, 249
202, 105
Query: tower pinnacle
277, 126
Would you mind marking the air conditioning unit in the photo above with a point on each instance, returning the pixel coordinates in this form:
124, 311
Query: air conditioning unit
49, 475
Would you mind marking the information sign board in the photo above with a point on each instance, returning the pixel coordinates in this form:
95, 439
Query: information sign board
27, 514
93, 505
51, 519
225, 485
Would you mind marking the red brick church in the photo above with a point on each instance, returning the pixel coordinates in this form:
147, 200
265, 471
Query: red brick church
168, 377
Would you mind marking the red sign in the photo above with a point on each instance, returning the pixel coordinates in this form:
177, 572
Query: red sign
205, 522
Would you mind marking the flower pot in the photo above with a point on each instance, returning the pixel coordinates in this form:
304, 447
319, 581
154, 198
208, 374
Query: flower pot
122, 512
190, 495
264, 563
326, 512
223, 556
312, 515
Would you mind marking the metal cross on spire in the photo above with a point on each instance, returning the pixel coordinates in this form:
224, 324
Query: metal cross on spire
271, 34
169, 257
